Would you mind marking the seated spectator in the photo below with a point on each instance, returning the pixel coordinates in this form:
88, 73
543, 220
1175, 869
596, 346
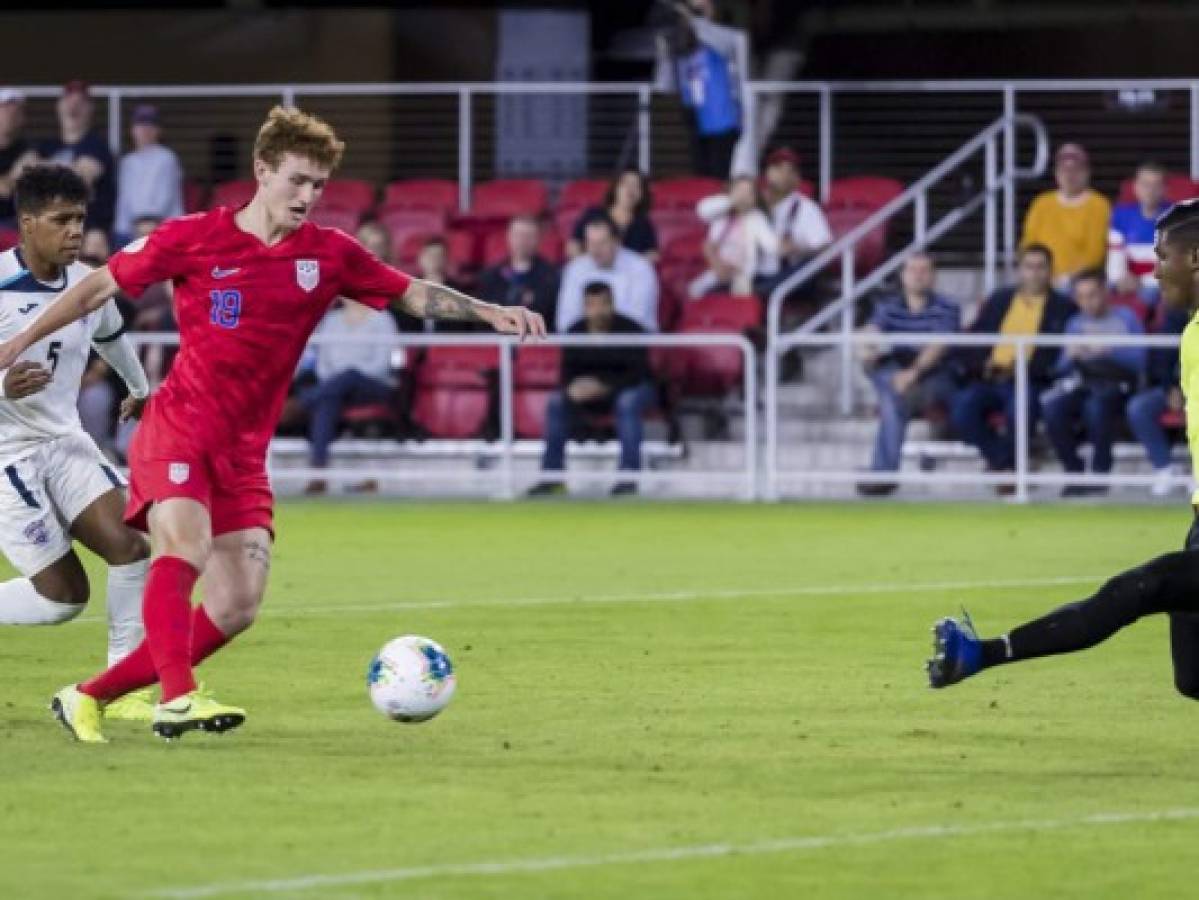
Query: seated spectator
433, 265
1092, 383
633, 281
599, 380
524, 278
86, 151
1130, 257
1164, 392
1072, 221
909, 378
1031, 307
799, 223
375, 238
740, 240
627, 205
151, 179
15, 151
347, 374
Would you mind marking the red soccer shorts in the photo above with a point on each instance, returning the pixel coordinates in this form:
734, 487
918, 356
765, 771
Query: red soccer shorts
237, 496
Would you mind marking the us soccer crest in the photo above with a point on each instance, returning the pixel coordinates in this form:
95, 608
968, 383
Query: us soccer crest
308, 273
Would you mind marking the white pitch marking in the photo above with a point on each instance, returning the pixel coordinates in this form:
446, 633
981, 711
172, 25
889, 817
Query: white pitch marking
680, 596
669, 854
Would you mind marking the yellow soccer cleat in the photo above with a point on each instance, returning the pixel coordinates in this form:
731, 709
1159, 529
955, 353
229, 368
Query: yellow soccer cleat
79, 714
136, 706
197, 710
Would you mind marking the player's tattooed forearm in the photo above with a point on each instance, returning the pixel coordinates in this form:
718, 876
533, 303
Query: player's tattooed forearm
259, 553
444, 303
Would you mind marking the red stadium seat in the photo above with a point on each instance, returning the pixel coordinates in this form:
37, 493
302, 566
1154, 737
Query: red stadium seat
422, 193
194, 194
871, 249
1173, 419
714, 371
1178, 187
329, 216
671, 224
863, 192
536, 375
9, 237
351, 194
404, 223
508, 197
453, 394
684, 193
686, 248
233, 194
551, 247
463, 246
583, 192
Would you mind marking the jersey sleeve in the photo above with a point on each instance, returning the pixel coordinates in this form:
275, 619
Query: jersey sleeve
161, 256
368, 279
110, 324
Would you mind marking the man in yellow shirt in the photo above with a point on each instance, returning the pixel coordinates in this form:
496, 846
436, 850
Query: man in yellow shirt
1168, 584
1072, 221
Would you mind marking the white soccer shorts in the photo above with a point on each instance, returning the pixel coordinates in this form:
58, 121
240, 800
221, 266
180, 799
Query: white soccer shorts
43, 493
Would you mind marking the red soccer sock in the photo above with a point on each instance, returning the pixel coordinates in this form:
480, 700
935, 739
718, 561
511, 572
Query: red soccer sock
167, 612
137, 671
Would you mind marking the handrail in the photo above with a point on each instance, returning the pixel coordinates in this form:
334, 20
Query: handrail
915, 195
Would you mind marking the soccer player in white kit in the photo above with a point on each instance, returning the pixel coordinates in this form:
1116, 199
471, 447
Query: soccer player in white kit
55, 485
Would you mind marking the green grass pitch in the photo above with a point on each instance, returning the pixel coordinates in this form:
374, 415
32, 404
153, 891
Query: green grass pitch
654, 701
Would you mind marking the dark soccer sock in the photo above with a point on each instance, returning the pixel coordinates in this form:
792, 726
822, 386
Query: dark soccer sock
137, 671
168, 617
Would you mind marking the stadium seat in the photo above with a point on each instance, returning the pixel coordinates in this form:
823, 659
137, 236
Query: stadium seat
463, 246
582, 193
403, 223
422, 193
508, 197
194, 195
685, 248
671, 224
9, 238
863, 192
1178, 187
684, 193
871, 250
536, 375
351, 194
329, 216
453, 391
369, 419
233, 194
714, 371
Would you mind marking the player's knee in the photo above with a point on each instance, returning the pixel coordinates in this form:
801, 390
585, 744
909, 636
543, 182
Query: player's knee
71, 593
233, 611
126, 546
194, 549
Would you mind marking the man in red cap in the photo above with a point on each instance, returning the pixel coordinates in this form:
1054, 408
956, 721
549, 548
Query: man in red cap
1071, 221
85, 151
798, 221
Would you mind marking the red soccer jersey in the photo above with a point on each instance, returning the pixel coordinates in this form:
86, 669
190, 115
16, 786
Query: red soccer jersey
245, 312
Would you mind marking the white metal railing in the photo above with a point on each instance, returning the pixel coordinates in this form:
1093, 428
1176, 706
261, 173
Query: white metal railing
745, 479
924, 234
1021, 477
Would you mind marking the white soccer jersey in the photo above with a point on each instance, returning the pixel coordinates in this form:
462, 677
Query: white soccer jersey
28, 423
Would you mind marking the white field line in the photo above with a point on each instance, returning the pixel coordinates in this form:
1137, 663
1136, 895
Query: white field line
828, 590
669, 854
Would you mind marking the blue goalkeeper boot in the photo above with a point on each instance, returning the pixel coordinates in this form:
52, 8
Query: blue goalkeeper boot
957, 652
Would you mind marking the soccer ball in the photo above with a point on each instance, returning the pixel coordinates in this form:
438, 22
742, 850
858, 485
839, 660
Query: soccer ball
411, 679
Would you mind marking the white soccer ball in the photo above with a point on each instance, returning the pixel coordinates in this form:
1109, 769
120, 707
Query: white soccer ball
411, 679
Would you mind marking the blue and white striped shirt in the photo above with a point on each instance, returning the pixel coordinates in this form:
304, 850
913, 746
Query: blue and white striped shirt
893, 316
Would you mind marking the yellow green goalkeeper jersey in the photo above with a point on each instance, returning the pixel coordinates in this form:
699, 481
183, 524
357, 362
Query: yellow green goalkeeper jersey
1190, 387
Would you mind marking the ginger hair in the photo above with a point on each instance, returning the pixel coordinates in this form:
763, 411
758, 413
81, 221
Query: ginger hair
289, 130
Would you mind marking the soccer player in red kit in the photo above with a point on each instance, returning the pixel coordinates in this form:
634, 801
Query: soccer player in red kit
251, 285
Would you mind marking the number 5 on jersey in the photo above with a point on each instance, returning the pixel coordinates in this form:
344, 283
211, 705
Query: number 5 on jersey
226, 308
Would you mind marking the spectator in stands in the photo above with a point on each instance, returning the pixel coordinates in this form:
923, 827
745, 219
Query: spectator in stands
151, 178
1072, 221
599, 380
707, 64
1162, 394
15, 151
799, 223
633, 280
524, 278
375, 238
909, 378
1031, 307
433, 265
627, 204
347, 374
86, 151
1091, 383
1130, 257
740, 240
